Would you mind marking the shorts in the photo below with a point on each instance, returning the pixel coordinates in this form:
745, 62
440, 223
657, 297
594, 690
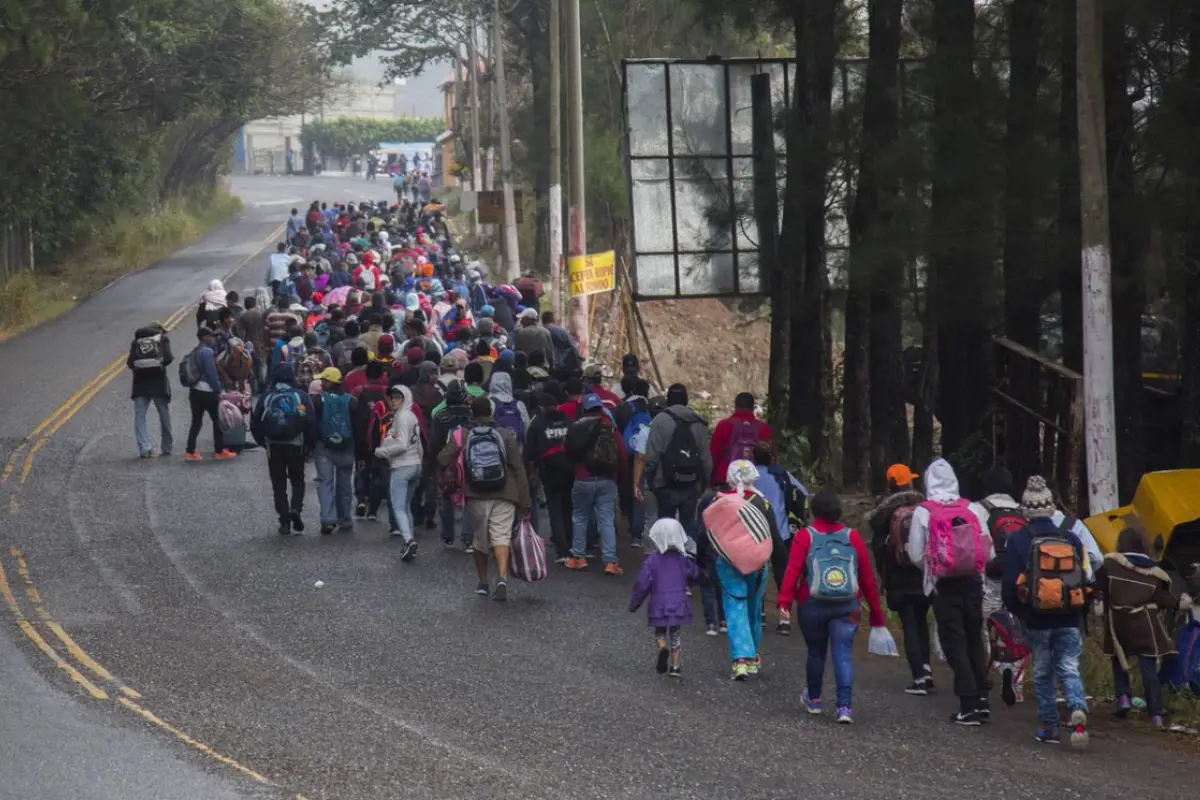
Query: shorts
493, 522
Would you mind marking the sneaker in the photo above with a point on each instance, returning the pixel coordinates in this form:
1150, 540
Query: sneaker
984, 710
784, 626
1124, 706
147, 454
469, 549
811, 705
614, 570
741, 670
481, 589
675, 672
327, 529
449, 545
1158, 722
755, 666
192, 457
636, 543
917, 688
844, 716
1007, 693
409, 552
562, 560
372, 518
968, 719
360, 510
710, 629
1047, 735
1079, 732
297, 521
395, 532
576, 563
224, 455
285, 529
501, 593
660, 665
722, 627
165, 454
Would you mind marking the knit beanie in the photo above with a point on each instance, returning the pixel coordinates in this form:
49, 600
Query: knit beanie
1037, 501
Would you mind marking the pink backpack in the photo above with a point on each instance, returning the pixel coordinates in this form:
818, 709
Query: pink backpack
955, 547
740, 532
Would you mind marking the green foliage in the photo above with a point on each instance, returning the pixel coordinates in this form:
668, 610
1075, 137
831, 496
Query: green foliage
349, 136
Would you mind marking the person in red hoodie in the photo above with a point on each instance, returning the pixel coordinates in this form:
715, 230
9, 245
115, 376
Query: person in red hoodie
736, 436
828, 575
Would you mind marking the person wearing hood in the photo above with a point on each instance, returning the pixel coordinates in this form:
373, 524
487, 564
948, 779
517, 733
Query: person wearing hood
1055, 639
148, 359
403, 450
676, 485
815, 575
958, 602
284, 423
1135, 590
663, 580
902, 582
211, 303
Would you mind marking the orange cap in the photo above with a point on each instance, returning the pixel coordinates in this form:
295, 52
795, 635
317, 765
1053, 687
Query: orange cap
901, 475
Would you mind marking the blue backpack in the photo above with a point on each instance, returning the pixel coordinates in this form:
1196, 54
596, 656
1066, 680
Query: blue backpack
831, 567
321, 331
336, 432
509, 415
283, 415
640, 419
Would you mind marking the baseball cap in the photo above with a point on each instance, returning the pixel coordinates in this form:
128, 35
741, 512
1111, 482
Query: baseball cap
593, 371
901, 475
330, 375
591, 402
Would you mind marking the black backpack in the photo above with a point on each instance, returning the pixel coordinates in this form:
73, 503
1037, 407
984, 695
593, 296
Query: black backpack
682, 461
603, 453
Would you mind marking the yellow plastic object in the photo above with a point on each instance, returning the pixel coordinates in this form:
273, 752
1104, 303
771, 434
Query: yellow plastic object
1163, 501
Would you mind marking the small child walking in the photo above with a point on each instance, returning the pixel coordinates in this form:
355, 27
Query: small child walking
664, 578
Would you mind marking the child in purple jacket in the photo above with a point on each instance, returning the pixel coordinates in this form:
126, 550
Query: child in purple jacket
664, 578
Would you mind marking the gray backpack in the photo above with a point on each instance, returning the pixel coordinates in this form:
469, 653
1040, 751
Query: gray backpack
485, 460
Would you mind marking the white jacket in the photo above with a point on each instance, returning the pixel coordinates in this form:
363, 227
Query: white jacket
402, 446
941, 486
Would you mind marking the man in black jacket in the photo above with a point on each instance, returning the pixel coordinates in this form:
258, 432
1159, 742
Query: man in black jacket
149, 357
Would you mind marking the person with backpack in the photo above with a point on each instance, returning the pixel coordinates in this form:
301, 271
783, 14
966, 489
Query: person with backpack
335, 452
1135, 590
663, 580
598, 452
1045, 587
902, 583
1005, 517
740, 529
402, 447
678, 462
452, 414
283, 422
546, 454
829, 575
948, 538
735, 436
209, 308
788, 500
632, 418
495, 487
198, 372
148, 359
371, 483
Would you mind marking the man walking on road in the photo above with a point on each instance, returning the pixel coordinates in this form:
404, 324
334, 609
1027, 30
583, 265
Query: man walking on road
204, 398
678, 461
149, 357
283, 423
335, 453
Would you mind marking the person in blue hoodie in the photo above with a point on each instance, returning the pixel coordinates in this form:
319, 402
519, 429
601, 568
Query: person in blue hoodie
1055, 639
204, 398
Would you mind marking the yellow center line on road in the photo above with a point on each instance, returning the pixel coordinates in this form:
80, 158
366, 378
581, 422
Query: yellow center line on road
78, 653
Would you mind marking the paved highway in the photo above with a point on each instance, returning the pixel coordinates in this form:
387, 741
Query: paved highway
162, 641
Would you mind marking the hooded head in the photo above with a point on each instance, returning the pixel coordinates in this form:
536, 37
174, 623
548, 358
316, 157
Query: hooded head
501, 387
941, 484
667, 534
284, 373
741, 476
405, 394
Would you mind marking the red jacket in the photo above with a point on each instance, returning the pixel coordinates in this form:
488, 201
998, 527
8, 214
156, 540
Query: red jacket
795, 583
571, 409
722, 438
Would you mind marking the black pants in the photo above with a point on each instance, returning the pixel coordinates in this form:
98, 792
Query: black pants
780, 550
558, 505
958, 609
914, 617
286, 465
203, 403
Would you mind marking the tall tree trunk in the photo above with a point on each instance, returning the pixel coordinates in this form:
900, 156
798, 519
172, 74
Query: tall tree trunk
1190, 335
1129, 235
1070, 235
958, 271
874, 389
792, 234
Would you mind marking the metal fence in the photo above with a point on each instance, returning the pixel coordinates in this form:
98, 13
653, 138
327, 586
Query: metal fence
16, 248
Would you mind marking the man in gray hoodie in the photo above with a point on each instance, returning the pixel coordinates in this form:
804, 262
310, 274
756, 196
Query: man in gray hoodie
677, 466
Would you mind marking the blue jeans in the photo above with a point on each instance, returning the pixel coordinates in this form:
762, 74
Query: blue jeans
140, 406
335, 485
404, 482
594, 496
742, 597
830, 627
1056, 654
447, 515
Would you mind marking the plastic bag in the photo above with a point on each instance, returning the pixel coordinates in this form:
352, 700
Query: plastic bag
881, 643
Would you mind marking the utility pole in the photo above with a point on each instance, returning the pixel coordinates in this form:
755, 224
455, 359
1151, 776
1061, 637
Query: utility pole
512, 259
476, 132
1100, 438
577, 313
556, 226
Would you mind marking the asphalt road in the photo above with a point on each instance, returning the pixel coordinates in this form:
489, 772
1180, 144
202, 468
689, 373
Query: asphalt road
393, 680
